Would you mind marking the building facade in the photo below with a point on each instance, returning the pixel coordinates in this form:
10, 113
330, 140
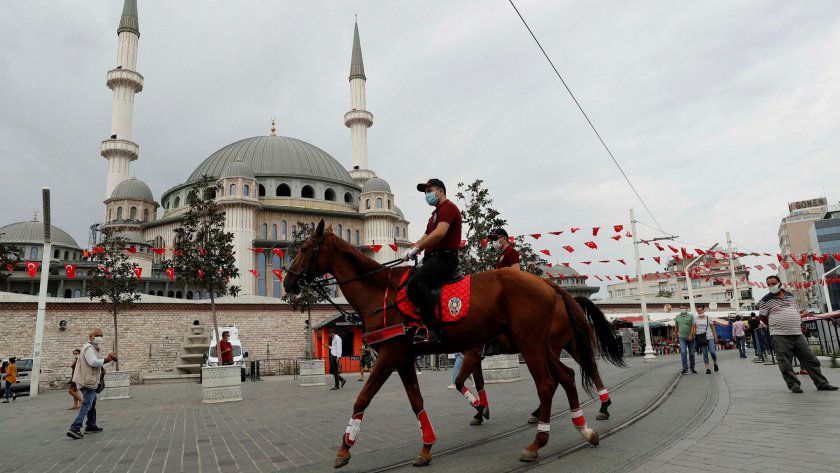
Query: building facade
794, 239
824, 235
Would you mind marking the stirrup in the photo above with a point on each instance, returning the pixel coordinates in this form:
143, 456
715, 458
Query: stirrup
421, 335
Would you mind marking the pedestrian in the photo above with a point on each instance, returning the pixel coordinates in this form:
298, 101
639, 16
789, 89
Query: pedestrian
417, 365
10, 376
459, 360
72, 389
86, 376
740, 337
225, 349
335, 358
705, 336
366, 362
788, 340
684, 330
756, 328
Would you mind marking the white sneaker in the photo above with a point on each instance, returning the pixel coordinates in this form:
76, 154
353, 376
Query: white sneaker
451, 386
419, 372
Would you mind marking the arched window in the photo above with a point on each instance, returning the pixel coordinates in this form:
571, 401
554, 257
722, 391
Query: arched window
261, 190
329, 194
197, 295
348, 235
119, 213
207, 294
189, 295
339, 231
284, 227
56, 254
276, 263
66, 255
170, 294
33, 253
68, 293
233, 189
357, 237
378, 202
273, 231
348, 198
109, 214
264, 231
177, 202
283, 190
133, 213
160, 293
389, 204
367, 203
261, 273
246, 190
396, 232
179, 295
145, 215
77, 293
307, 192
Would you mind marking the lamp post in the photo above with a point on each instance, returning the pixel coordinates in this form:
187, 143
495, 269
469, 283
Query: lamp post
42, 298
825, 289
735, 291
649, 354
688, 279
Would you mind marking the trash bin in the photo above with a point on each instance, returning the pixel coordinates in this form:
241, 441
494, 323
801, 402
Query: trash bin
243, 374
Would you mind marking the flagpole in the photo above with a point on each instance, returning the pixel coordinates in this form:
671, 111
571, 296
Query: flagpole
649, 354
735, 292
42, 297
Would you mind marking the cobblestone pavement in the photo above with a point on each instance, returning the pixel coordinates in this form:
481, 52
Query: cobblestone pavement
741, 419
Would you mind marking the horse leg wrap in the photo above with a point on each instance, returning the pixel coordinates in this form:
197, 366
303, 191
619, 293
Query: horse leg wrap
353, 428
469, 396
426, 428
482, 399
578, 419
543, 427
603, 395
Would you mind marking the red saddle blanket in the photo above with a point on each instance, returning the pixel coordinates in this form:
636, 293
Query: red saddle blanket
455, 301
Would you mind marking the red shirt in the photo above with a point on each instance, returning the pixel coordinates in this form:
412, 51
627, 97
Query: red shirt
507, 258
227, 358
449, 213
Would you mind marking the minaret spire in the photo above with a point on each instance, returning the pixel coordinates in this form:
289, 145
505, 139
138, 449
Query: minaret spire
120, 150
358, 119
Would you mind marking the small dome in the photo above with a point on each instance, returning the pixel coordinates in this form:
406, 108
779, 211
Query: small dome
133, 189
238, 168
399, 212
33, 232
376, 184
559, 269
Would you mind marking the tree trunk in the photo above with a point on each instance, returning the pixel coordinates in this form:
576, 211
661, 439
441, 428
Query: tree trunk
116, 341
216, 328
311, 353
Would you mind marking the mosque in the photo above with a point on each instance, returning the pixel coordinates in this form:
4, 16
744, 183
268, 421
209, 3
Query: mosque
269, 185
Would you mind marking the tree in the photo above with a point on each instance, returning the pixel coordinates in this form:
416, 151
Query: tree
203, 249
479, 219
114, 282
9, 258
303, 300
665, 293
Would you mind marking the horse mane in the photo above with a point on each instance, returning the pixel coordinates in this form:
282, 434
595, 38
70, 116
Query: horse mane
363, 263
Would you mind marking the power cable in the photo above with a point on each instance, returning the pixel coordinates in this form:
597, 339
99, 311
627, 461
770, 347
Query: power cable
587, 118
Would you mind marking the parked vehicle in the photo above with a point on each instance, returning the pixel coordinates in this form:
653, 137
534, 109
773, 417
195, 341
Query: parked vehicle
24, 367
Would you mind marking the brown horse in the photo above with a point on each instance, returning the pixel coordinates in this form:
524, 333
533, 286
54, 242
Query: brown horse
609, 345
505, 301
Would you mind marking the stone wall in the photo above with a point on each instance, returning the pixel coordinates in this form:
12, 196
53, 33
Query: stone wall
150, 334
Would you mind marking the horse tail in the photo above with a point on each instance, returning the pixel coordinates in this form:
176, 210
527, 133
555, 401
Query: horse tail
584, 341
611, 346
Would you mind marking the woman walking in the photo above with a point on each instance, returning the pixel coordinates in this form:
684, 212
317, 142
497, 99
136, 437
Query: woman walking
706, 337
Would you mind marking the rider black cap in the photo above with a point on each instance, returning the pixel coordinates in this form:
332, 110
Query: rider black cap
431, 182
499, 232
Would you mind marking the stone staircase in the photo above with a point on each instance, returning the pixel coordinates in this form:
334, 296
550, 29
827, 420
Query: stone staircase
190, 357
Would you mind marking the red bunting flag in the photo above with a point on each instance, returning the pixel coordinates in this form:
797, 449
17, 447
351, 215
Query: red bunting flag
510, 240
536, 236
171, 273
32, 268
658, 259
591, 244
772, 266
566, 265
759, 267
257, 250
659, 247
595, 231
598, 278
549, 264
10, 267
70, 269
393, 246
574, 229
586, 262
177, 252
131, 249
622, 262
98, 250
569, 249
604, 261
483, 243
779, 257
158, 251
254, 272
629, 235
620, 277
608, 277
557, 232
278, 273
278, 252
673, 249
545, 252
836, 256
138, 271
562, 277
376, 248
618, 228
201, 274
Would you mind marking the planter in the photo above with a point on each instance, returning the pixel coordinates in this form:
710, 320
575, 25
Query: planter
116, 385
500, 369
312, 373
221, 383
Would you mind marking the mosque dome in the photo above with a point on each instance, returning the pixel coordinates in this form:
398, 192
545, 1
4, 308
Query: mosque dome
32, 232
238, 168
376, 184
275, 156
558, 269
134, 189
399, 212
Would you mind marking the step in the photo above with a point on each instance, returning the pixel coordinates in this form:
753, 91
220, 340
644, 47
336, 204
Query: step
196, 346
189, 366
160, 378
192, 356
199, 337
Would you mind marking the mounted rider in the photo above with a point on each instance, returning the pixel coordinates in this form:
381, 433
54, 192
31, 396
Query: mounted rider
441, 242
508, 256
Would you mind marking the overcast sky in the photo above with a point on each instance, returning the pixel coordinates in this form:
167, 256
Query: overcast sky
720, 112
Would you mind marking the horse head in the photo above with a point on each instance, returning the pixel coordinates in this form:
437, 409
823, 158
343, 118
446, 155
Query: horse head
310, 261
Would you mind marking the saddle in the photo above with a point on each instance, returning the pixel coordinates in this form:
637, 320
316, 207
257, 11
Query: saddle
454, 295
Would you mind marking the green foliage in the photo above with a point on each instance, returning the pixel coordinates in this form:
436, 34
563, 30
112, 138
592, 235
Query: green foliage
9, 255
306, 296
665, 293
479, 218
114, 282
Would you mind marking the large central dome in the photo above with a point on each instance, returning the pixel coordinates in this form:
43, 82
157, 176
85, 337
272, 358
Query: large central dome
275, 156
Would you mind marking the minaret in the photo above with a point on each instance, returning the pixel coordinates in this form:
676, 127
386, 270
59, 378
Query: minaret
120, 150
358, 119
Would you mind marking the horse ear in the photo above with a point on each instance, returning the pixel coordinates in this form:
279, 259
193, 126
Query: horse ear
329, 229
319, 230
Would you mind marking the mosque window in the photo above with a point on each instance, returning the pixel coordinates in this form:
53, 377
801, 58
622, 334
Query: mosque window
274, 232
261, 190
246, 190
133, 213
348, 235
56, 254
109, 215
160, 293
396, 232
261, 272
119, 213
367, 203
177, 202
179, 295
378, 202
66, 255
329, 194
357, 237
189, 294
389, 204
145, 215
339, 233
284, 227
283, 190
276, 263
348, 198
233, 189
170, 294
77, 293
68, 293
307, 192
33, 253
265, 231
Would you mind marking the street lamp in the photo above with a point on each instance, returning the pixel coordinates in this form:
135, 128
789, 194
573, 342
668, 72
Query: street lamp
688, 279
825, 289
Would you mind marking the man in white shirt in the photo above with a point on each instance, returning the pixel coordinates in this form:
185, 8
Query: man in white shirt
335, 357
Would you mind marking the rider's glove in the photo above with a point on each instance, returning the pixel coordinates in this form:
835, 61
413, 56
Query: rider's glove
412, 253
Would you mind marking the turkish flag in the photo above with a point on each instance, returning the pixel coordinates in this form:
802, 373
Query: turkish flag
177, 252
557, 232
604, 261
620, 277
483, 243
131, 249
608, 277
595, 231
158, 251
200, 274
138, 271
278, 273
759, 267
658, 259
70, 269
622, 262
616, 237
628, 234
591, 244
569, 249
574, 229
32, 268
566, 264
618, 228
673, 249
598, 278
10, 267
393, 246
375, 248
171, 273
254, 272
659, 247
586, 262
98, 250
773, 266
836, 256
545, 252
258, 250
536, 236
549, 264
278, 251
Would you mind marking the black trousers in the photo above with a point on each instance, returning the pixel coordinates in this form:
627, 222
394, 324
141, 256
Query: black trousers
433, 272
334, 370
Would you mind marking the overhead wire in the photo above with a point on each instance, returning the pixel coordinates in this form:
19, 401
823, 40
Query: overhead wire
591, 125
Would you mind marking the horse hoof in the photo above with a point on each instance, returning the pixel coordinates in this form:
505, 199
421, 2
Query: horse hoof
594, 439
476, 421
602, 416
341, 461
533, 420
420, 460
486, 412
528, 456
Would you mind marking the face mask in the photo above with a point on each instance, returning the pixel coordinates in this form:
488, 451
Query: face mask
775, 289
431, 198
497, 245
97, 341
682, 311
